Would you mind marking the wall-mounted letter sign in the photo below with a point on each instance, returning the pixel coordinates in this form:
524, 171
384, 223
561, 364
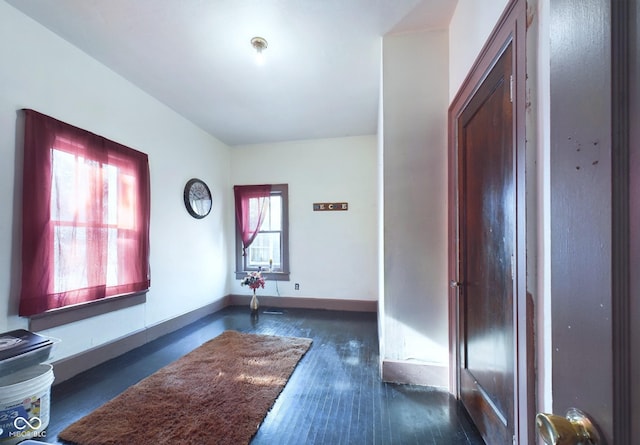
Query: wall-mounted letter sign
329, 206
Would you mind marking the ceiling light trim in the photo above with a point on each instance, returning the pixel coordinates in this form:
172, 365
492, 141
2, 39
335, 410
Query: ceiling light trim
259, 43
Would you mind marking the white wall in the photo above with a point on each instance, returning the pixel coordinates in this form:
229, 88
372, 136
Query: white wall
188, 256
332, 254
415, 197
470, 26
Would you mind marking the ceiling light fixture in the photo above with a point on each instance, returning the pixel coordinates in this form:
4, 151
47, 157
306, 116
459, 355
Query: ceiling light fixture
260, 45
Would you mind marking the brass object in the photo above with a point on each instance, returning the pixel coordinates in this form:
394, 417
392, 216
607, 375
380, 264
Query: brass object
573, 429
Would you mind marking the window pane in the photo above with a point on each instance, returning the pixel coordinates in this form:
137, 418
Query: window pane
70, 247
111, 199
112, 257
254, 211
63, 182
265, 247
275, 213
125, 190
72, 203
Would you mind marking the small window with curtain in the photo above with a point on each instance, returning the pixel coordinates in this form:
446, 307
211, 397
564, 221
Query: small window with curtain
85, 217
262, 237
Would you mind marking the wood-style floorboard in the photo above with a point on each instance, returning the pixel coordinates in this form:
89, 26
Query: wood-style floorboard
335, 395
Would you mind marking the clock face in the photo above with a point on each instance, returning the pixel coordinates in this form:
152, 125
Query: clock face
197, 198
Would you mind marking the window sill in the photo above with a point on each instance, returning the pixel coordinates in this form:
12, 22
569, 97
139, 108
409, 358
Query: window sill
269, 276
66, 315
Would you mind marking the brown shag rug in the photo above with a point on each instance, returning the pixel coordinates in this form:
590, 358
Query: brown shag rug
217, 394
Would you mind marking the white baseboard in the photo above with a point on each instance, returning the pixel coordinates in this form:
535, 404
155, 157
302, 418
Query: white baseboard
415, 373
68, 367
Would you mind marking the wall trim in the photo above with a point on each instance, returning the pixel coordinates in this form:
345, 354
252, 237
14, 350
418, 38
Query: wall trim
69, 314
70, 366
307, 303
621, 302
415, 373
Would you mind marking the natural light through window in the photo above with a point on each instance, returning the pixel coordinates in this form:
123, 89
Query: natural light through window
262, 230
86, 234
267, 246
88, 199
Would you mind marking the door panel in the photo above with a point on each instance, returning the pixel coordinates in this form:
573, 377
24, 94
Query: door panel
491, 312
592, 287
487, 254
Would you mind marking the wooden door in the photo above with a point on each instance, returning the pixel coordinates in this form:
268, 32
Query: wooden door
594, 213
491, 314
487, 210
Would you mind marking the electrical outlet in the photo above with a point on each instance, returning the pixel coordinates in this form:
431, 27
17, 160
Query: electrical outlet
297, 286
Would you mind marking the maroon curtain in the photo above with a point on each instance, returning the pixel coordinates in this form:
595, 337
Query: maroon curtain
251, 207
85, 217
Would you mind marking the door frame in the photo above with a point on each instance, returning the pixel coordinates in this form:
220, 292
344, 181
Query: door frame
630, 332
511, 27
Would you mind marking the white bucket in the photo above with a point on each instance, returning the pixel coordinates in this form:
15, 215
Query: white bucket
24, 404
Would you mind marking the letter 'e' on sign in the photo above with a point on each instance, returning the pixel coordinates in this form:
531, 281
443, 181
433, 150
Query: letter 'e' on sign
330, 206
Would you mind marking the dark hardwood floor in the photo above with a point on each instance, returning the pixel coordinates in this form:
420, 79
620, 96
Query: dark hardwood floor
334, 396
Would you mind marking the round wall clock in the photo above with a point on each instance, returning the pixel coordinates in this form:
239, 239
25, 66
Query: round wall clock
197, 198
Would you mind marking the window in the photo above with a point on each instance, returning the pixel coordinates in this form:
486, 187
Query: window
85, 217
268, 250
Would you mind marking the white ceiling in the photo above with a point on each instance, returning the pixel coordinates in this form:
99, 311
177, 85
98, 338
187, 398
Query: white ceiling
321, 72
